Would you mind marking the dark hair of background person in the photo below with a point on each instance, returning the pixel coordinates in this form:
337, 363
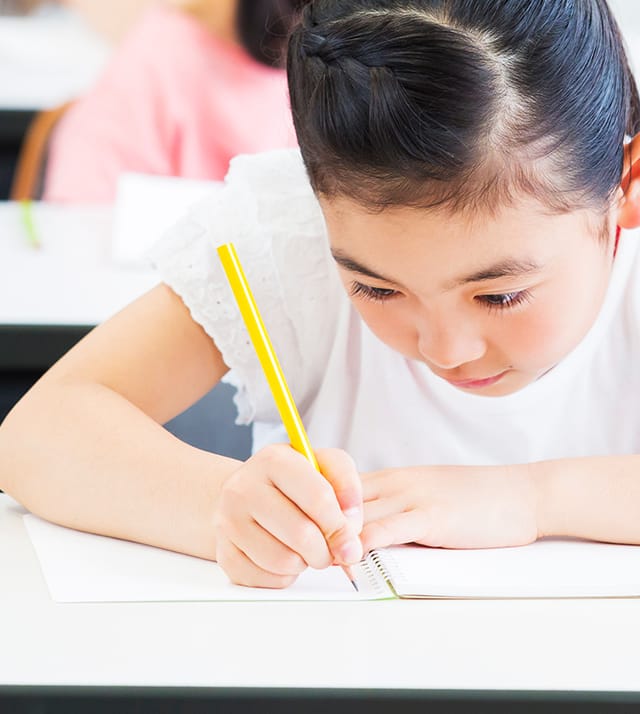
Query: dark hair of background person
462, 104
264, 26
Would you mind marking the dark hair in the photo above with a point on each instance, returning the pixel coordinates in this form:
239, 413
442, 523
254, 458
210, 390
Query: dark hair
462, 103
264, 26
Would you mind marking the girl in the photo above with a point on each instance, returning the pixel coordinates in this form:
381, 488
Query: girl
195, 83
444, 283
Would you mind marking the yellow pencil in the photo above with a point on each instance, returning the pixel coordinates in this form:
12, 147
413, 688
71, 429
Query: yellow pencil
268, 359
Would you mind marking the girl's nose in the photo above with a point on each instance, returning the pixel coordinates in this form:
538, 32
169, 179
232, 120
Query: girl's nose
450, 345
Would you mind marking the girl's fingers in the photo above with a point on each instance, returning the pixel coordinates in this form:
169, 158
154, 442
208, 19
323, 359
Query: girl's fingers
382, 508
241, 570
280, 491
252, 495
314, 495
266, 551
340, 471
396, 529
377, 484
369, 482
275, 513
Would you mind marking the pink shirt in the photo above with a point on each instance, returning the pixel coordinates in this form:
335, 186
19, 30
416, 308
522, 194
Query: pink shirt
173, 101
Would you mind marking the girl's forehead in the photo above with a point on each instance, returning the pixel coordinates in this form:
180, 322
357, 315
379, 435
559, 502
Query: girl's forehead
407, 244
528, 220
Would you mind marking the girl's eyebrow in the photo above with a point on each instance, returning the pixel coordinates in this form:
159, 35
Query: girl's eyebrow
508, 268
350, 264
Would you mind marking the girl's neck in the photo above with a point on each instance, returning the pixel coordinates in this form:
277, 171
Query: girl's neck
218, 16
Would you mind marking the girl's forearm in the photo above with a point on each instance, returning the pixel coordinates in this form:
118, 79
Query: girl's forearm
81, 455
593, 497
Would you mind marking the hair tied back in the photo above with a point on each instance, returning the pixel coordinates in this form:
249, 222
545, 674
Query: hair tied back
314, 45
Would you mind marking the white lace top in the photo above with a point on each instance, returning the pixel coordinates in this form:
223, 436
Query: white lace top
352, 390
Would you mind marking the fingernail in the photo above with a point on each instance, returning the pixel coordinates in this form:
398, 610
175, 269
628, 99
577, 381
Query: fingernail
351, 552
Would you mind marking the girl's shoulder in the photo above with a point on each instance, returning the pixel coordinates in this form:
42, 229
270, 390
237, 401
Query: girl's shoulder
271, 172
273, 178
265, 205
267, 209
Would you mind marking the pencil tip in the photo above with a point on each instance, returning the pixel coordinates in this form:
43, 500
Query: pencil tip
355, 587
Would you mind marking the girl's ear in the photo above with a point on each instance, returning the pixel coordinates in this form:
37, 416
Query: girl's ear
629, 204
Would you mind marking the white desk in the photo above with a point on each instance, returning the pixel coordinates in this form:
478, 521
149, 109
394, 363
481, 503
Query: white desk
47, 59
72, 279
51, 297
475, 645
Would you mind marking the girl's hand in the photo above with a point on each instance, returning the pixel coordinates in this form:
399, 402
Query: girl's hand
450, 507
276, 515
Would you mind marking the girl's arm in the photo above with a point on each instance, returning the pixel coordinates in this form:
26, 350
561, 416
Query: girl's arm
80, 449
84, 448
596, 498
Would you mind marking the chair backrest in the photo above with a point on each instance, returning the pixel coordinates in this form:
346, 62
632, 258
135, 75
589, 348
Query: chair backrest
29, 173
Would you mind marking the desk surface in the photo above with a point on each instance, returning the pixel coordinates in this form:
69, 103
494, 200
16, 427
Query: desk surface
47, 59
72, 279
453, 645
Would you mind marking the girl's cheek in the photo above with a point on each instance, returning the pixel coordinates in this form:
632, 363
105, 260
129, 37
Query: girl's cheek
391, 326
540, 339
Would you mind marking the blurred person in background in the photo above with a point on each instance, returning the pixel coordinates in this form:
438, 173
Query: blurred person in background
193, 83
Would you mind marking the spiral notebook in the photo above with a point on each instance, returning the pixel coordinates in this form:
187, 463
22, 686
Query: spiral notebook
80, 567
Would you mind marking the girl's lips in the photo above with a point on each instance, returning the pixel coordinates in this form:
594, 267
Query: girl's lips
476, 383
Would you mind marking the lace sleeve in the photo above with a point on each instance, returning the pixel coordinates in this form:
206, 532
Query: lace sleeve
267, 209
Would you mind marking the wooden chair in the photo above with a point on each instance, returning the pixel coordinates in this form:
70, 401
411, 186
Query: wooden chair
28, 177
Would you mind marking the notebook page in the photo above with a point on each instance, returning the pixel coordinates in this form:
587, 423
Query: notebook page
81, 567
547, 568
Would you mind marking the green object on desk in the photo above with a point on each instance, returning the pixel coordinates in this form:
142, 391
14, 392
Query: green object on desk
26, 213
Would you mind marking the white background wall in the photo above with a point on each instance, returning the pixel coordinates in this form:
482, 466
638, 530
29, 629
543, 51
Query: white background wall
628, 13
628, 10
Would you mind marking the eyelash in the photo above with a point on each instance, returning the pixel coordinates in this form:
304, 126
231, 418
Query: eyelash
374, 294
381, 295
510, 300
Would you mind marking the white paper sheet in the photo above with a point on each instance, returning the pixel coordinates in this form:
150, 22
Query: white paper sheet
81, 567
146, 207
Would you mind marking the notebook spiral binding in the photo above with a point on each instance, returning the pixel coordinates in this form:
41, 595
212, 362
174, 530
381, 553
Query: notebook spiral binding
376, 574
388, 569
